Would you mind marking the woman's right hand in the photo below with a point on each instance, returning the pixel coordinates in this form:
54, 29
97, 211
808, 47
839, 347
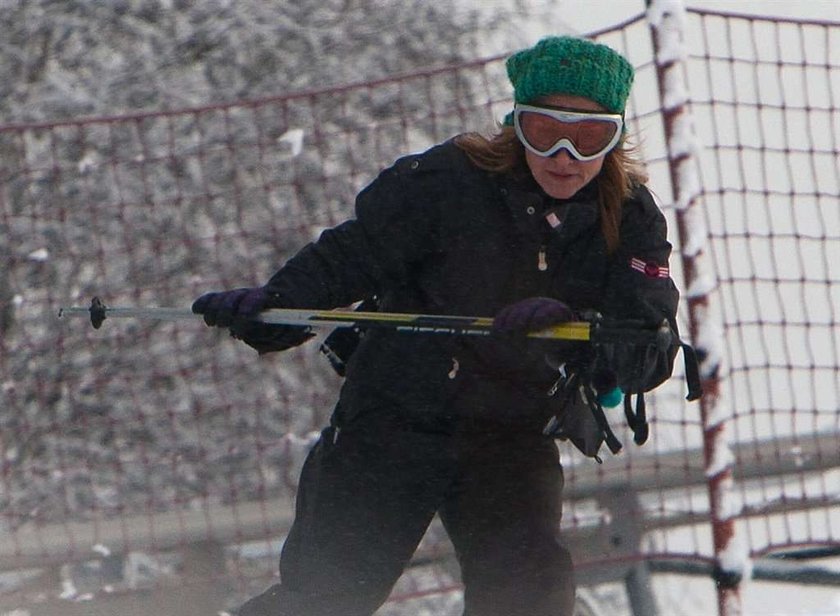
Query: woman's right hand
238, 309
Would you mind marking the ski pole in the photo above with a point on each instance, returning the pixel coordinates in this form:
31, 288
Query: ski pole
579, 331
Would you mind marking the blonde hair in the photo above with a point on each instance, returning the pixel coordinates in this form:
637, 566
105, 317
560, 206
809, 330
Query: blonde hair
620, 175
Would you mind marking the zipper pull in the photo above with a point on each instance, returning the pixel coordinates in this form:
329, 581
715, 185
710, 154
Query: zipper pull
560, 382
542, 263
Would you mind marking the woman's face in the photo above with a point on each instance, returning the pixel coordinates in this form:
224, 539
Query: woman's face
561, 175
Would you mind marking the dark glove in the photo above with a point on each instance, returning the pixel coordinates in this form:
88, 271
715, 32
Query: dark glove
222, 308
532, 314
270, 337
236, 310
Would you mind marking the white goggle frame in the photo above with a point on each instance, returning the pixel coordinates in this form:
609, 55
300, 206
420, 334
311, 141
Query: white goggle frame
568, 117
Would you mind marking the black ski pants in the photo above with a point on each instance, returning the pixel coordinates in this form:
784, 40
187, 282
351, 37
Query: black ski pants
367, 496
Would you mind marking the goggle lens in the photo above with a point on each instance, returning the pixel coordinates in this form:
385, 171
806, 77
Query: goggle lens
585, 135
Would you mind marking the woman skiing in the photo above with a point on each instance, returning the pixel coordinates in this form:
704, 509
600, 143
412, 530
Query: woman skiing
539, 224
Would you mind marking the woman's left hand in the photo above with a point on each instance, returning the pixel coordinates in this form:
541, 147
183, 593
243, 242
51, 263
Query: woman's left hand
532, 314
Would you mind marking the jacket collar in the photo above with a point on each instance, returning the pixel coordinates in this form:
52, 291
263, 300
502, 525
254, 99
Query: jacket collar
528, 202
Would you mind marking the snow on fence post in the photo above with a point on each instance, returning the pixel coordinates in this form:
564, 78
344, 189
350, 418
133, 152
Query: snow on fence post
667, 19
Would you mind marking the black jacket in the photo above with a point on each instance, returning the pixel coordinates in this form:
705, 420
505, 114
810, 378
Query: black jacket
434, 234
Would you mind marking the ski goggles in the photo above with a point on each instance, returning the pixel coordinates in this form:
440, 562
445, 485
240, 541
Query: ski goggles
585, 135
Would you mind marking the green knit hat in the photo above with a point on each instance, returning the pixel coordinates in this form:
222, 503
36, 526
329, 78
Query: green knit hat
570, 65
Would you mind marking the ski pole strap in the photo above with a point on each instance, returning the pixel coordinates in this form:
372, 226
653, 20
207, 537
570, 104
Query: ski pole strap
610, 439
597, 410
341, 343
637, 420
692, 372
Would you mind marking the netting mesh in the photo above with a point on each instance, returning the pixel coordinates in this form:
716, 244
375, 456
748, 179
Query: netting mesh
152, 437
765, 94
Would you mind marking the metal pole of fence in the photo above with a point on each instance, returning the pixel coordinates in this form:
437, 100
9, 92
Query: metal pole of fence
666, 19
